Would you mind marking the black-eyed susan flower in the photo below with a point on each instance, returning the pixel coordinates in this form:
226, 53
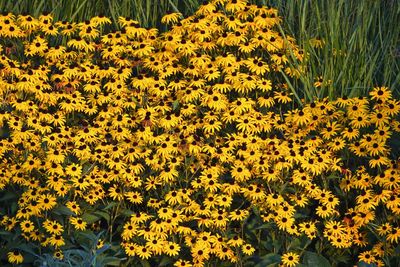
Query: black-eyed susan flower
78, 223
172, 249
130, 229
27, 226
53, 227
15, 257
248, 249
184, 263
282, 97
56, 241
171, 18
47, 201
100, 20
290, 259
381, 93
367, 257
394, 235
143, 252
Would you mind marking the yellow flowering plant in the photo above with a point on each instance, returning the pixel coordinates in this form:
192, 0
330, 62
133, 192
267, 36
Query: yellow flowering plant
187, 148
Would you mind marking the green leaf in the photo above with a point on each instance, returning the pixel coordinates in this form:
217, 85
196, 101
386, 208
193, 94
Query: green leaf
8, 196
27, 249
103, 215
112, 261
264, 226
267, 245
277, 243
88, 235
110, 205
364, 264
270, 259
175, 104
14, 207
103, 248
298, 215
296, 243
165, 261
127, 212
63, 210
6, 233
312, 259
145, 263
90, 218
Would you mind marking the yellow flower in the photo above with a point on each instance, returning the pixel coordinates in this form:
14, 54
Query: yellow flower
394, 235
100, 21
129, 230
317, 43
58, 255
53, 227
78, 223
248, 249
157, 246
330, 129
284, 221
171, 249
282, 97
309, 228
15, 257
182, 263
324, 211
27, 226
47, 201
366, 257
27, 22
240, 173
200, 253
290, 259
257, 66
130, 249
381, 93
134, 197
143, 252
37, 47
56, 241
74, 170
171, 18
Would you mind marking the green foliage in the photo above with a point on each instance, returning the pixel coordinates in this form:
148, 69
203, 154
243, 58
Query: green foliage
361, 44
147, 12
313, 259
89, 253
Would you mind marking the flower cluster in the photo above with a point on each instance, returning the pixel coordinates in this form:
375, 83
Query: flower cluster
186, 135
